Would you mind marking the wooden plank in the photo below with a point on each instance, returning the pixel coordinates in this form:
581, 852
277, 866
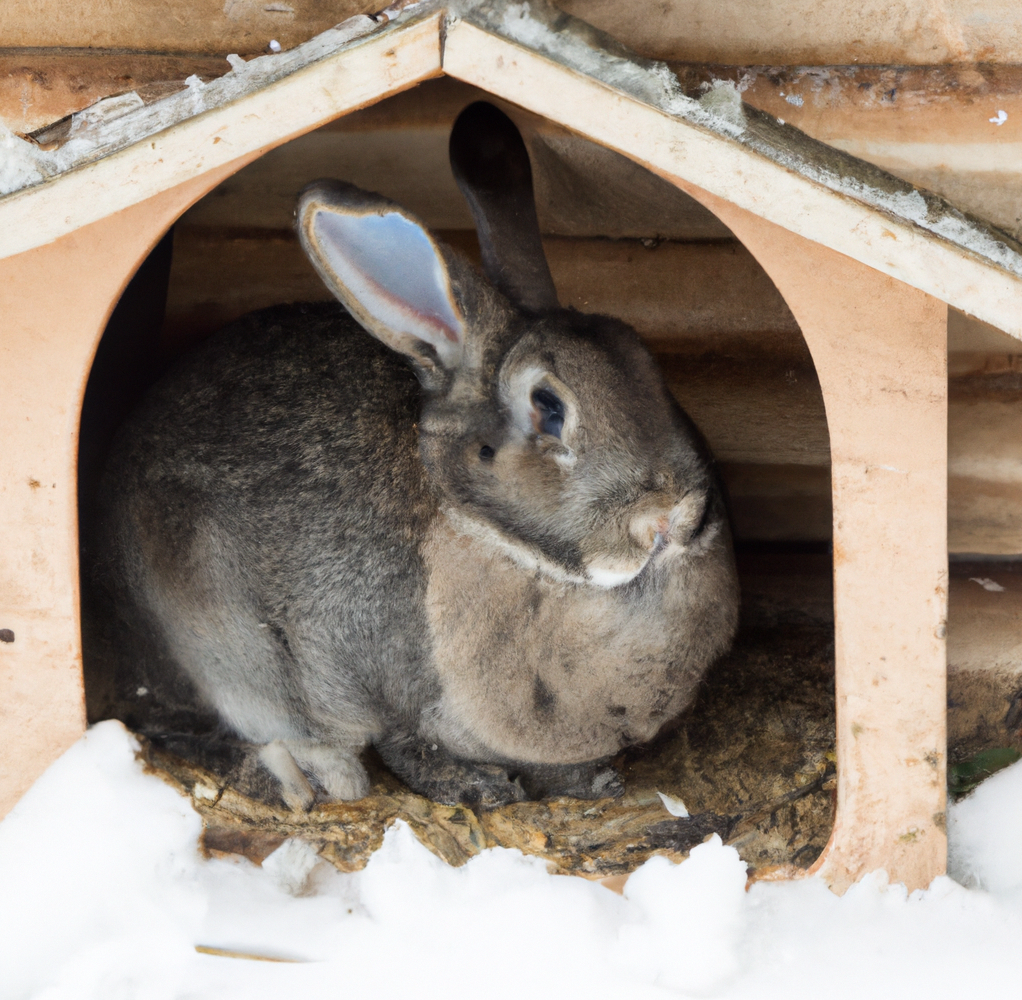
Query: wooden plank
779, 503
807, 32
969, 336
680, 296
773, 32
928, 125
984, 654
985, 458
362, 69
37, 88
753, 408
193, 26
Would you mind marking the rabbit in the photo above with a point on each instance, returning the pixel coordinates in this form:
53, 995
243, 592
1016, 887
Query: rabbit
447, 518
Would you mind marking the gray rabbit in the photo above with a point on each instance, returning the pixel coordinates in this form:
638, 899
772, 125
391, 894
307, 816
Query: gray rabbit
485, 540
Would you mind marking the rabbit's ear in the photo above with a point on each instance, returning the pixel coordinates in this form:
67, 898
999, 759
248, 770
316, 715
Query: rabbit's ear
385, 267
491, 165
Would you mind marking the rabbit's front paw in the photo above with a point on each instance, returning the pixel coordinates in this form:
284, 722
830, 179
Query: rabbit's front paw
337, 770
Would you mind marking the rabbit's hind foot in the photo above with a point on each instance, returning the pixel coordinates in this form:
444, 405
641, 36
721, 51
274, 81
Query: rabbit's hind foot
590, 780
336, 770
430, 770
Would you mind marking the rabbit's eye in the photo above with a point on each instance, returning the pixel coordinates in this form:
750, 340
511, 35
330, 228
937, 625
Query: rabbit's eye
550, 411
486, 453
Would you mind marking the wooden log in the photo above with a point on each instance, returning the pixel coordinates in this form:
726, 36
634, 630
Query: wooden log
192, 26
808, 33
772, 32
38, 88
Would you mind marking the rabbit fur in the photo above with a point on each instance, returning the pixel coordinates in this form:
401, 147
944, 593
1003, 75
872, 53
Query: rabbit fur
485, 540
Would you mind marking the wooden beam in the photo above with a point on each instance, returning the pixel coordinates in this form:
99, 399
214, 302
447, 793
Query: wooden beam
810, 33
357, 73
191, 26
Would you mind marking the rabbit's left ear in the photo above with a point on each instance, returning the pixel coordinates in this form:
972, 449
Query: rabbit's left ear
491, 165
386, 268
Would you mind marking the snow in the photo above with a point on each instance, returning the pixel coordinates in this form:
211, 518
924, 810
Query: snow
20, 162
674, 805
986, 583
104, 894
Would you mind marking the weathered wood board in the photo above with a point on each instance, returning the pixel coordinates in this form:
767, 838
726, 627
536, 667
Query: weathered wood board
786, 32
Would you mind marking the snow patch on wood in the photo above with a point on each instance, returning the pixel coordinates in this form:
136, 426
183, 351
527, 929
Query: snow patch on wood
20, 162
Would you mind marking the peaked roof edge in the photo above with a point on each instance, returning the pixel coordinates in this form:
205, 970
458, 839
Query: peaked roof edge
535, 56
108, 165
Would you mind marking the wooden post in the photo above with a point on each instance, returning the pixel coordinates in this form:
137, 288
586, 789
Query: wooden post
54, 304
880, 349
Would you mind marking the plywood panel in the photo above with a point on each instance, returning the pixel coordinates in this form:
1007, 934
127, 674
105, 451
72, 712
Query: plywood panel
220, 26
797, 32
784, 32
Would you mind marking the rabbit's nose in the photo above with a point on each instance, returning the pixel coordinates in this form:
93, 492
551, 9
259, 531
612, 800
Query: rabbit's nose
651, 529
688, 517
679, 523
